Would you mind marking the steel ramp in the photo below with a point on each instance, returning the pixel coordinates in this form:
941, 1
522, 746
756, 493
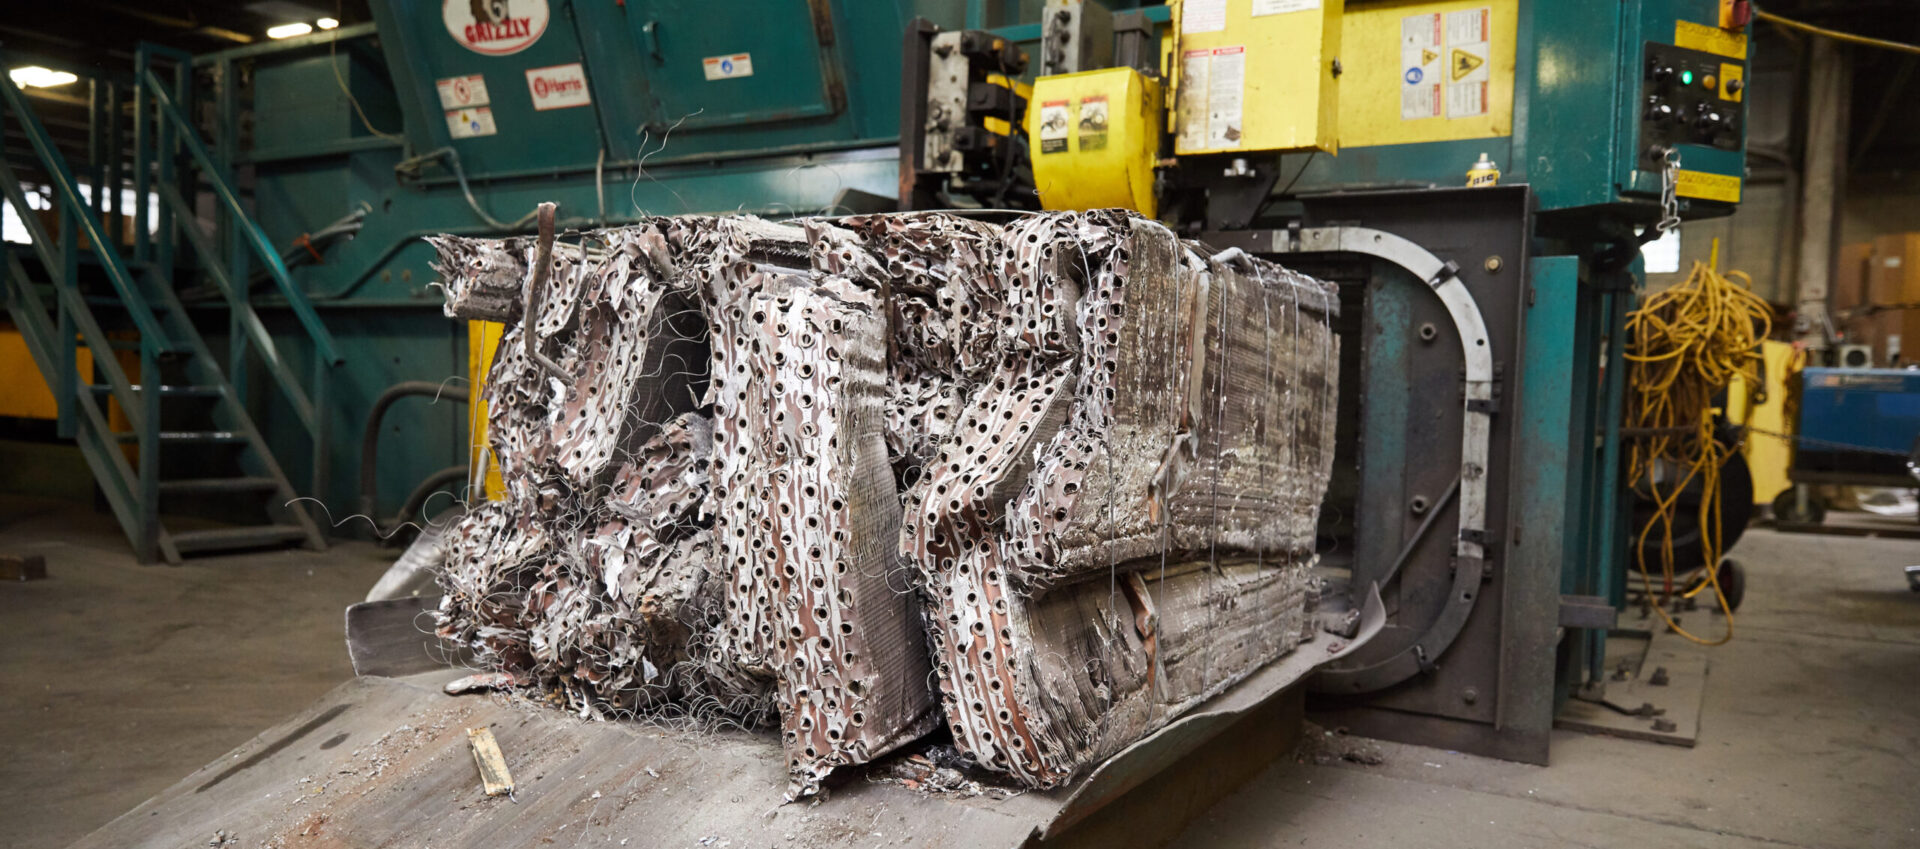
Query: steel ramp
385, 762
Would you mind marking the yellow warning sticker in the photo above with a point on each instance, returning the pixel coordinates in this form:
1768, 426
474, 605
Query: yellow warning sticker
1692, 36
1715, 187
1427, 56
1465, 63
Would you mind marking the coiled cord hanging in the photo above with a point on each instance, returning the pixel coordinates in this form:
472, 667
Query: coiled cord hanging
1684, 346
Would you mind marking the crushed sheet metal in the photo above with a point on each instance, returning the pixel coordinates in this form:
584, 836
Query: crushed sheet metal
780, 459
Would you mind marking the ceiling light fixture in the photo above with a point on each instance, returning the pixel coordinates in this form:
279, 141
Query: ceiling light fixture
326, 23
289, 30
34, 76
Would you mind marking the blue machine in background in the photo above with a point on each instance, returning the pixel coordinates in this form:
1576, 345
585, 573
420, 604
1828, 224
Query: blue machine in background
1846, 410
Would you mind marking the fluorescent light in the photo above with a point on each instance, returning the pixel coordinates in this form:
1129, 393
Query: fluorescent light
289, 30
34, 76
326, 23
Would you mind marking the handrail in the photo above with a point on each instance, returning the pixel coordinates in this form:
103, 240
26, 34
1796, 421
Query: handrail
75, 208
189, 138
249, 321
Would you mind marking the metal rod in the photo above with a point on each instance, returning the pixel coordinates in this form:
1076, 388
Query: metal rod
530, 315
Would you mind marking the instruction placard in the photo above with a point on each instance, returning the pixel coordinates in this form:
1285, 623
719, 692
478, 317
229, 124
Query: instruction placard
1212, 88
1468, 34
1093, 122
470, 123
462, 92
727, 67
1203, 16
1055, 124
1226, 80
1191, 111
1263, 8
1444, 70
1421, 44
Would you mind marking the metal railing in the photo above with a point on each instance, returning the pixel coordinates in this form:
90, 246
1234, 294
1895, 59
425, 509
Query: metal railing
55, 336
174, 144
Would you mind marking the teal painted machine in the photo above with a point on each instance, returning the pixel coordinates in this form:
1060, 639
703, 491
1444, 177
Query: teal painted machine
458, 117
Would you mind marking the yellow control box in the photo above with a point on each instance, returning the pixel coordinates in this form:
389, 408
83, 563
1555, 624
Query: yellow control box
1094, 137
1426, 71
1255, 75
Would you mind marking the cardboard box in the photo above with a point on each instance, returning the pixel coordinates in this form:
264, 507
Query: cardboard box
1893, 277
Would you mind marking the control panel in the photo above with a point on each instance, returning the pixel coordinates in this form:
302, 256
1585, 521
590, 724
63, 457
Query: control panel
1689, 97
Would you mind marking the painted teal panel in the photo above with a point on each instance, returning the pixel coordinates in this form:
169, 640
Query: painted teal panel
420, 51
1576, 113
299, 106
1539, 561
1656, 24
1543, 453
790, 69
1386, 421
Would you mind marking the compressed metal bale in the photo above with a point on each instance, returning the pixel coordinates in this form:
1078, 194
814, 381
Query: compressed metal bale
846, 642
1198, 418
1037, 417
1175, 434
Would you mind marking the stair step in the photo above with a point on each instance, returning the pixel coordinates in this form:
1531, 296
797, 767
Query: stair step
249, 536
156, 306
185, 437
218, 485
166, 391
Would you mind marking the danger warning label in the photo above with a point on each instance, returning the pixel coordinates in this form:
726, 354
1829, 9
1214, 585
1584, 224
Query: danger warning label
1443, 59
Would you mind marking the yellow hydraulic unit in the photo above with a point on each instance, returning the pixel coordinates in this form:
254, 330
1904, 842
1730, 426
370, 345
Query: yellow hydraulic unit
1094, 137
1256, 75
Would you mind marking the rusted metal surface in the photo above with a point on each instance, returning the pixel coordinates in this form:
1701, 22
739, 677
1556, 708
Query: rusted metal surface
1070, 465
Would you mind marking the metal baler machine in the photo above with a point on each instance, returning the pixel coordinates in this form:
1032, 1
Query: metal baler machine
1478, 463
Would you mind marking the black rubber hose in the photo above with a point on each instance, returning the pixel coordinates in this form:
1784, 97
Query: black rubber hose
418, 498
370, 436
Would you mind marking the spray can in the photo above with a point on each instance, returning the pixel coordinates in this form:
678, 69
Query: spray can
1483, 173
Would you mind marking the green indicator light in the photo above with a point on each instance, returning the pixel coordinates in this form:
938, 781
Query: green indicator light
1686, 78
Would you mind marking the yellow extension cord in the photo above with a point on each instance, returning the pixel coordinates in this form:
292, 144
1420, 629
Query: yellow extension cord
1684, 346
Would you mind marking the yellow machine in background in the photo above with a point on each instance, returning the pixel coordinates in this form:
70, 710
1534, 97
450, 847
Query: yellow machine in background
1768, 456
1382, 72
1094, 138
1255, 75
483, 339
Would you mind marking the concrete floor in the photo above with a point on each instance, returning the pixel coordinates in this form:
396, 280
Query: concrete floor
117, 679
1809, 737
120, 679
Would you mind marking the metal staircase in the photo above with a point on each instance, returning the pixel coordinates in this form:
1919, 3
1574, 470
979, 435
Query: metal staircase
185, 413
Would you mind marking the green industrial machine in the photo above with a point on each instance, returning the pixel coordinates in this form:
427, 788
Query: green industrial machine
1480, 442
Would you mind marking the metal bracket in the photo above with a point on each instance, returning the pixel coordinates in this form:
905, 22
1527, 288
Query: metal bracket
1475, 443
1587, 611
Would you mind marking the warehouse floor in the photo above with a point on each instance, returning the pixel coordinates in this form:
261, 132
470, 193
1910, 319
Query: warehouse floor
120, 679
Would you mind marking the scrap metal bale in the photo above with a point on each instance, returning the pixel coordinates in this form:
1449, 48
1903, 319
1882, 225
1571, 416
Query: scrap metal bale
823, 516
1197, 394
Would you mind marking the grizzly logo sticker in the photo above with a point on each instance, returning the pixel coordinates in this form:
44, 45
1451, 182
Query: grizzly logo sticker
495, 27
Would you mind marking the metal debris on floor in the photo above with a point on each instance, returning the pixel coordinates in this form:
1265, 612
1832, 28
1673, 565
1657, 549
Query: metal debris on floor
1050, 482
